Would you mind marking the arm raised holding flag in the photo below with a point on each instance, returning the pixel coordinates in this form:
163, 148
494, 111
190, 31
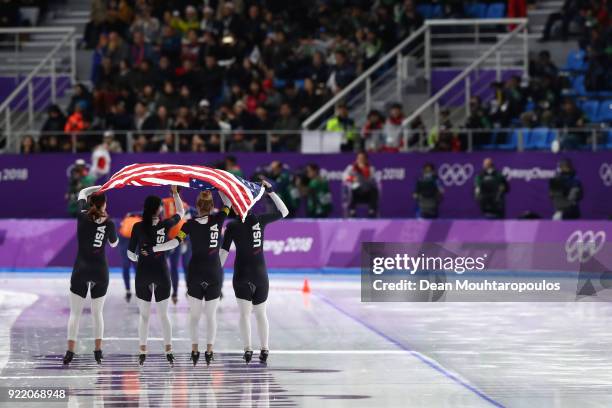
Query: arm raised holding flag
242, 193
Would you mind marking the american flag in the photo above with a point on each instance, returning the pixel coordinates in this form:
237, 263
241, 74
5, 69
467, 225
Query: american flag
242, 193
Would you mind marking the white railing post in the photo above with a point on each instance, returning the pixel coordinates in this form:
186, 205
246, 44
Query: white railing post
428, 57
8, 129
53, 80
470, 146
594, 139
398, 83
498, 74
73, 73
476, 45
268, 142
437, 117
17, 64
368, 95
31, 105
129, 141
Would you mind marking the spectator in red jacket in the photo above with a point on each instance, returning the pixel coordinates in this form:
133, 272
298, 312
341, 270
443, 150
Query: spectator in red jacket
76, 122
360, 178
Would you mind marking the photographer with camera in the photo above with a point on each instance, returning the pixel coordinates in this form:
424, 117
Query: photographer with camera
78, 179
315, 188
565, 191
491, 188
428, 193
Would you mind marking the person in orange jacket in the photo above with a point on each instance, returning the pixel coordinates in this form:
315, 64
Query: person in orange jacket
125, 232
76, 123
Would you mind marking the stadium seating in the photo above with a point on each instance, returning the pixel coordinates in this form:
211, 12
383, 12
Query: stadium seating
608, 143
512, 140
590, 108
482, 10
496, 10
475, 10
578, 85
604, 113
430, 11
576, 61
538, 138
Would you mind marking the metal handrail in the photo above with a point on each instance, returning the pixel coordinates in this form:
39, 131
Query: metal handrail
600, 136
467, 71
36, 70
36, 30
48, 65
396, 50
592, 127
475, 21
344, 92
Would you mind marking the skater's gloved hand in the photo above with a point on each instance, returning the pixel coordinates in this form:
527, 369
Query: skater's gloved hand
267, 186
146, 250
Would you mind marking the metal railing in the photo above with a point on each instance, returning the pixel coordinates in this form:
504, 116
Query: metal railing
439, 45
412, 140
21, 48
517, 139
53, 73
455, 96
171, 140
368, 76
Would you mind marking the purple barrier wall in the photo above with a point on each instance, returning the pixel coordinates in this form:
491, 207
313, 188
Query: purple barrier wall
34, 186
326, 243
42, 91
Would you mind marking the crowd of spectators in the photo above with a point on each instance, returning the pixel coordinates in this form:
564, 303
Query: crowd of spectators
587, 21
223, 66
242, 76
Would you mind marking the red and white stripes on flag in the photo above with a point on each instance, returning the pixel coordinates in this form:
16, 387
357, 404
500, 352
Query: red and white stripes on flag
242, 193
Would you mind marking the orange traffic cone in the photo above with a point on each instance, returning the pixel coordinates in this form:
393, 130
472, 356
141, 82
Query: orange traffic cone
306, 287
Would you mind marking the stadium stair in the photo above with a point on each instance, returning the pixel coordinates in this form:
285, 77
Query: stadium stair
33, 47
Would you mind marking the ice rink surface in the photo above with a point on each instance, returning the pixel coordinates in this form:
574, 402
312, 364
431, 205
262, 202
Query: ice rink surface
327, 350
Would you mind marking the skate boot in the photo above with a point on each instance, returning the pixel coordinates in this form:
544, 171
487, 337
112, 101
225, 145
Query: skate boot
68, 357
208, 356
98, 356
248, 356
170, 358
195, 356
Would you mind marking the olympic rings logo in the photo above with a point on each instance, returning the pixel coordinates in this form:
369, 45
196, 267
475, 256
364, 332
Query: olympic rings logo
605, 172
455, 174
581, 246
